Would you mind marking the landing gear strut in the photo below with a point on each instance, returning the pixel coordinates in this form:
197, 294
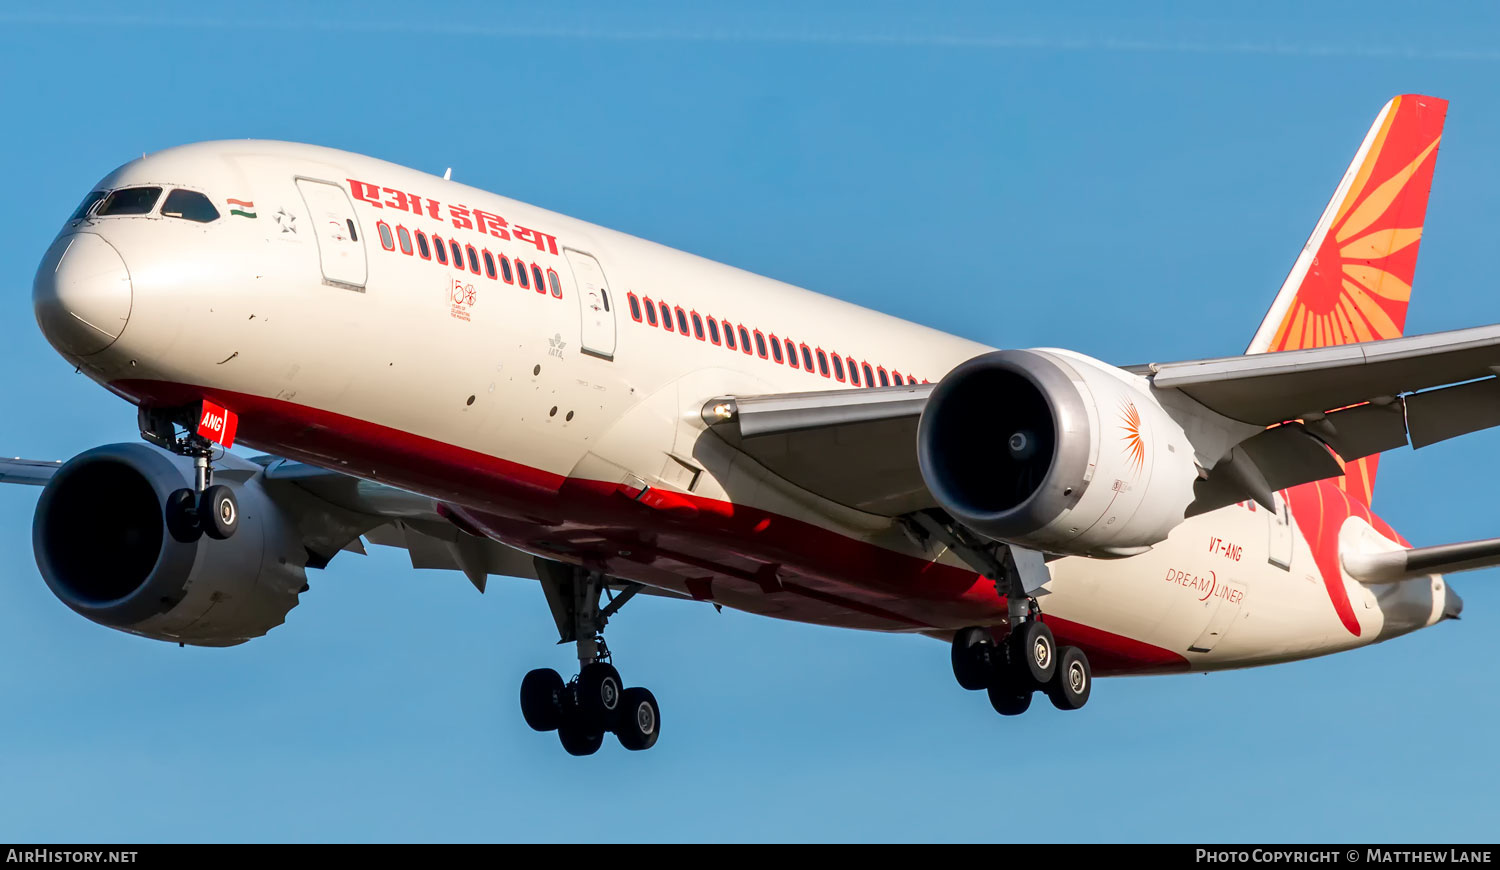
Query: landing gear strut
595, 702
206, 508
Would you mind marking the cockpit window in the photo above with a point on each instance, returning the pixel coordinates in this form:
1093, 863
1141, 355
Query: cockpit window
190, 205
88, 202
130, 200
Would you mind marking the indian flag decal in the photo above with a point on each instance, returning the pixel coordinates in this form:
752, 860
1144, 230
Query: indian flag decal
241, 207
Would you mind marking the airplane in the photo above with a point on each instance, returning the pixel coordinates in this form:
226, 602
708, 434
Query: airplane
501, 389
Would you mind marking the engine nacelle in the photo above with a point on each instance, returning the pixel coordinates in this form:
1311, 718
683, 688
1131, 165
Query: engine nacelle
1055, 451
103, 546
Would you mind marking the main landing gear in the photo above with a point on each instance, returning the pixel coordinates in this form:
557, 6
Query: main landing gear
595, 701
205, 508
1027, 661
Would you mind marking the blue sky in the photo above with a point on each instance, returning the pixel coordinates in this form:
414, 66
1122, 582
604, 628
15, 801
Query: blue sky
1131, 185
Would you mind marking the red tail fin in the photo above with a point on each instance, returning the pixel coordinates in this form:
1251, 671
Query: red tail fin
1352, 281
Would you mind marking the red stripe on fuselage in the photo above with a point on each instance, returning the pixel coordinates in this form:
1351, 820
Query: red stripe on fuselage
748, 558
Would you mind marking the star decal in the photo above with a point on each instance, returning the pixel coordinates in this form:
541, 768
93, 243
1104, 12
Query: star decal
286, 220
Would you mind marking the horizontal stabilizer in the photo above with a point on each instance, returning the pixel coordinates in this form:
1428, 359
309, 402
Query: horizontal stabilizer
1395, 565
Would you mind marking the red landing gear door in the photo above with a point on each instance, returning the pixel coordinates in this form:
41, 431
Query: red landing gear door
217, 423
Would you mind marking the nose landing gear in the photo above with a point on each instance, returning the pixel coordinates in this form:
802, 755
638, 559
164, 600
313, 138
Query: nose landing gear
595, 702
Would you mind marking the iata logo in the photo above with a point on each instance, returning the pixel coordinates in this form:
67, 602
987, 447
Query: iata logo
461, 299
1135, 444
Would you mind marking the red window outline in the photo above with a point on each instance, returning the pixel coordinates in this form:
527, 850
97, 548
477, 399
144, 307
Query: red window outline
489, 264
776, 349
666, 317
807, 363
853, 368
635, 307
458, 254
729, 336
869, 375
383, 230
403, 238
791, 352
650, 311
896, 378
440, 249
473, 258
823, 364
423, 249
760, 345
838, 365
536, 274
505, 274
713, 330
521, 277
884, 378
555, 283
682, 325
698, 327
745, 341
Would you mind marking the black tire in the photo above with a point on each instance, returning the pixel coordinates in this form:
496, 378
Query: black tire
1070, 688
1008, 700
182, 516
639, 722
541, 699
974, 657
579, 738
599, 691
218, 512
1033, 652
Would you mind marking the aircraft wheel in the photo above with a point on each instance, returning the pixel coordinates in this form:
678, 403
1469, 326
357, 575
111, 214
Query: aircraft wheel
541, 699
973, 657
579, 737
640, 720
1070, 687
218, 512
182, 516
1008, 699
599, 695
1033, 651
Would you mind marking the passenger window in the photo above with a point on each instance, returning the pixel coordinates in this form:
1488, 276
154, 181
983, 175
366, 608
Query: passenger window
353, 236
697, 326
896, 377
541, 286
682, 322
911, 381
190, 205
650, 311
713, 330
838, 367
458, 254
505, 270
744, 339
666, 318
635, 307
556, 284
807, 362
521, 275
776, 348
853, 372
729, 336
385, 236
760, 344
440, 248
402, 236
423, 250
869, 375
791, 353
130, 200
884, 381
822, 364
88, 202
473, 259
489, 264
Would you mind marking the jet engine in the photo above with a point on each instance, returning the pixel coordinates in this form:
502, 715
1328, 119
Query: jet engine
1055, 451
105, 549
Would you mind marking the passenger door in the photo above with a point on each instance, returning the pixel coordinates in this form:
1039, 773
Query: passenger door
595, 306
339, 247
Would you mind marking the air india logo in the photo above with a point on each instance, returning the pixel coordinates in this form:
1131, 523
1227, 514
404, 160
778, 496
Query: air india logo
1135, 445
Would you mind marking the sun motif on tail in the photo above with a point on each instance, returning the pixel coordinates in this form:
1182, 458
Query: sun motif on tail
1135, 445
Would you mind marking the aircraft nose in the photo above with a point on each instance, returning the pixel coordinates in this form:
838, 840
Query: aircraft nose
1453, 605
81, 294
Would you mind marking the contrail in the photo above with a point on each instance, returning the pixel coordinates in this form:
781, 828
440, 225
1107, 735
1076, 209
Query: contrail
770, 37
